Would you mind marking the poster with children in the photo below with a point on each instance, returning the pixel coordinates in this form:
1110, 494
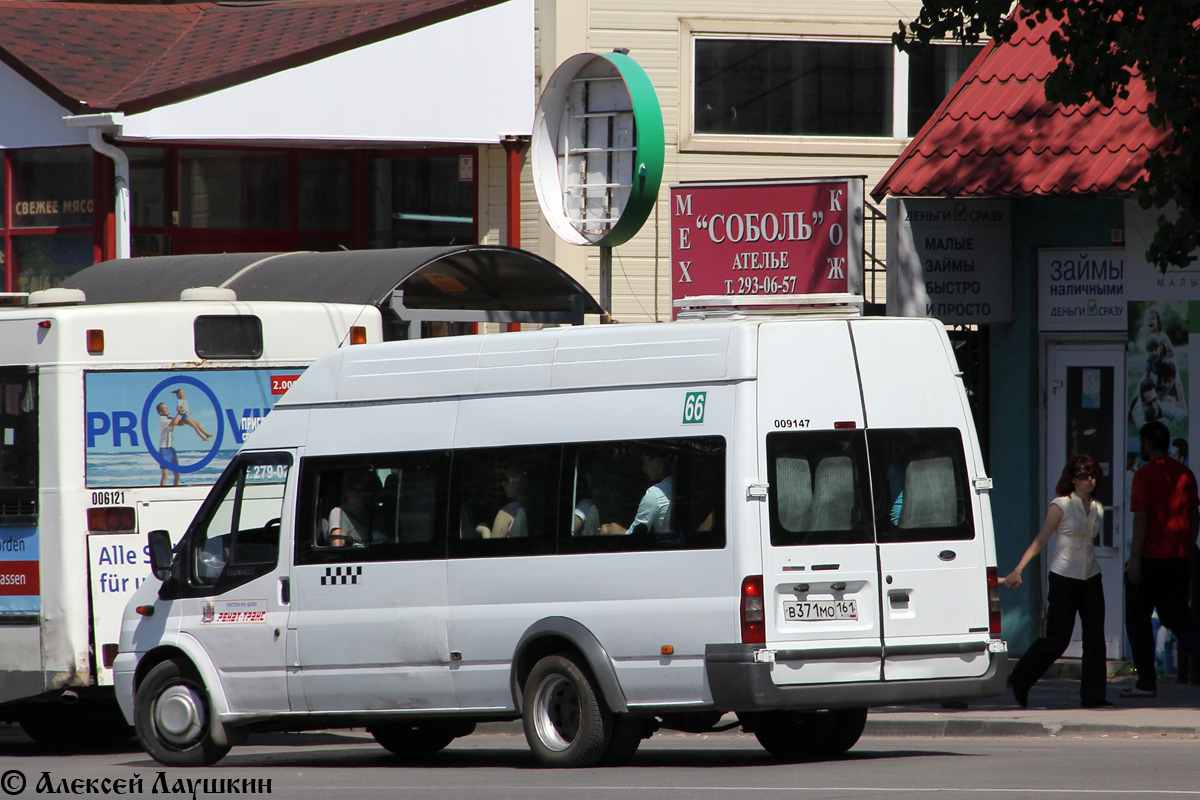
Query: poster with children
1157, 379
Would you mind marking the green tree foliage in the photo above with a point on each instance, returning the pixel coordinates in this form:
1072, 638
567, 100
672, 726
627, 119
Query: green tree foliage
1101, 44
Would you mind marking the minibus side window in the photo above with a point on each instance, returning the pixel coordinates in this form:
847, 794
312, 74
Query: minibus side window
819, 488
236, 536
921, 488
505, 500
381, 507
649, 494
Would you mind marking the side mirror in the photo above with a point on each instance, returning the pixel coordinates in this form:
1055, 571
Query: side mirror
161, 554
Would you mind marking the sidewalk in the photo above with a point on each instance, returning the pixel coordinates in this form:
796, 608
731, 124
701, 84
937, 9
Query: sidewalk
1053, 711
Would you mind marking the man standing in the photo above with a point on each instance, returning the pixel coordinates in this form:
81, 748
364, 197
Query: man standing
1158, 574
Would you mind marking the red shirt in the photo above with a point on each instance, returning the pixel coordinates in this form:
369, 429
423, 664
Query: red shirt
1166, 490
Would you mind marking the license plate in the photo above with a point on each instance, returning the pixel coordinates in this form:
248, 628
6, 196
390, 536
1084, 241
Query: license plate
819, 610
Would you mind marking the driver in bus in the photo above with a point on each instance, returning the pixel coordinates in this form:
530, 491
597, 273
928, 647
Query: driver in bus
349, 523
654, 511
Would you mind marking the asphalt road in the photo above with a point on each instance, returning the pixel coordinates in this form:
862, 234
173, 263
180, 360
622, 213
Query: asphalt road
497, 766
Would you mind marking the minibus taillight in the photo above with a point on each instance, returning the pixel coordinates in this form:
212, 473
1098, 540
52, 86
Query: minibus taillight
358, 335
993, 580
848, 424
95, 342
753, 622
111, 519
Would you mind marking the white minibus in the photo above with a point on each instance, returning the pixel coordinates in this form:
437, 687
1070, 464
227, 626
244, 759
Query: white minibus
116, 419
599, 530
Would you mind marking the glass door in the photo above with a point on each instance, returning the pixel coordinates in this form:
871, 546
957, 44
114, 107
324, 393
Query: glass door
1084, 391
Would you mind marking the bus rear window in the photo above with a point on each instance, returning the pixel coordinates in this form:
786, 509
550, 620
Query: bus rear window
821, 493
18, 445
229, 337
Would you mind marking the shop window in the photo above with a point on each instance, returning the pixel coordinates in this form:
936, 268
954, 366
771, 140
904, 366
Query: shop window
150, 244
52, 188
421, 201
234, 190
325, 193
793, 88
45, 261
148, 193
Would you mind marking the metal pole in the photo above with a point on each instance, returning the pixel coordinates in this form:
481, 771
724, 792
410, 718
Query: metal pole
606, 283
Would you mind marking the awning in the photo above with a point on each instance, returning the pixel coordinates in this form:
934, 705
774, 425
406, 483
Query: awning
472, 283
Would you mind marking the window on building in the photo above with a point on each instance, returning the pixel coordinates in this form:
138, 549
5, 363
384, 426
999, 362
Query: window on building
324, 192
50, 216
793, 88
931, 76
234, 190
422, 200
45, 261
52, 187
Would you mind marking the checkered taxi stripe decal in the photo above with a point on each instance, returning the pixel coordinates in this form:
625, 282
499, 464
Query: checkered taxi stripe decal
340, 576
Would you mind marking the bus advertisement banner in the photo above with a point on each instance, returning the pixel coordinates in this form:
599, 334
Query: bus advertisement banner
20, 593
168, 428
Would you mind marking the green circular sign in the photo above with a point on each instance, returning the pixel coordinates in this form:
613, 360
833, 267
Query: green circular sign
598, 148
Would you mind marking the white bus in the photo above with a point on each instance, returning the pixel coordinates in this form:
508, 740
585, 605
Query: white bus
116, 419
599, 530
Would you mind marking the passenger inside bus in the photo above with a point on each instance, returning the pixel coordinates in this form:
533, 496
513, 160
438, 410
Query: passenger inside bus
510, 520
349, 524
654, 511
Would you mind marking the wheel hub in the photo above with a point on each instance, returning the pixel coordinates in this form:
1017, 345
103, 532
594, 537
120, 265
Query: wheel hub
179, 715
558, 711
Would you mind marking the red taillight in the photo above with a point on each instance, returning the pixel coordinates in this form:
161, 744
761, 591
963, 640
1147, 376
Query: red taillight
753, 620
108, 652
993, 580
845, 425
111, 519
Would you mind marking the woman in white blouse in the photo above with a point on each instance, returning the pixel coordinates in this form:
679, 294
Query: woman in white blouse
1075, 586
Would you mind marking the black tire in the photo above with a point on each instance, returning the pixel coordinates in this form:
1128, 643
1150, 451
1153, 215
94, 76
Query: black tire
565, 719
792, 735
416, 739
85, 726
627, 735
848, 726
173, 717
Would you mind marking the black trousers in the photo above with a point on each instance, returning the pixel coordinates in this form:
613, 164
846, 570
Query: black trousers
1066, 598
1164, 587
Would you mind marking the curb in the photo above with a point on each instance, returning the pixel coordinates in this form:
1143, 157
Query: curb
935, 728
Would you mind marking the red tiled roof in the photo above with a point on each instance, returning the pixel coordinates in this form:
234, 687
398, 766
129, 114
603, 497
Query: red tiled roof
996, 135
111, 56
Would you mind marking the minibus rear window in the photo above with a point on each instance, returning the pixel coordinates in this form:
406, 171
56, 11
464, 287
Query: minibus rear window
819, 488
231, 336
921, 487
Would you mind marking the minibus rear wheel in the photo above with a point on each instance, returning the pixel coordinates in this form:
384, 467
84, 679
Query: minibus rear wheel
173, 717
565, 719
792, 735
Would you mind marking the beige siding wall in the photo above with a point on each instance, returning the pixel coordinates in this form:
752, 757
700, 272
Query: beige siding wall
657, 35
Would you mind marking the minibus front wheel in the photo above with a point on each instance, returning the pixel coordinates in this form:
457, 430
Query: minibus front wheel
566, 721
173, 718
